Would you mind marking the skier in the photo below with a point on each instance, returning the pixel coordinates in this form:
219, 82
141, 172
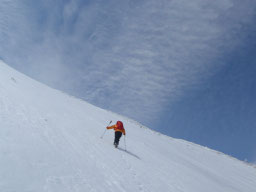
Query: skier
119, 130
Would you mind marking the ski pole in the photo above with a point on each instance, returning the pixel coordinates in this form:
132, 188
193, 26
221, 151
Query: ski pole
105, 130
124, 144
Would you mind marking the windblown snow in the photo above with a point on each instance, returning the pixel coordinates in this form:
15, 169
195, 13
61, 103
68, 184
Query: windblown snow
50, 141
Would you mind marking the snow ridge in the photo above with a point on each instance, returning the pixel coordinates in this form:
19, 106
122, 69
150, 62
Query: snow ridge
51, 142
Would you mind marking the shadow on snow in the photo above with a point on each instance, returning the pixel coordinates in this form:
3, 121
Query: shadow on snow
130, 153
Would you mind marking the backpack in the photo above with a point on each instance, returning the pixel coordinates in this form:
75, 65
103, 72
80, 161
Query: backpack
119, 125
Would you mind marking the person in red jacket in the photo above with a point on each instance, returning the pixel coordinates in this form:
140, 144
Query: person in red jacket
119, 130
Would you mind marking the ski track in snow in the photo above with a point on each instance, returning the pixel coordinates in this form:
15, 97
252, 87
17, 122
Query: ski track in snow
50, 142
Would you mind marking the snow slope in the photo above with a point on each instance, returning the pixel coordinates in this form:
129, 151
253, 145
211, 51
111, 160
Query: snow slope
51, 142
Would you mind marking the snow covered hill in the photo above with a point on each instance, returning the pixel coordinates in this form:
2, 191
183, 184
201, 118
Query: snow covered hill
50, 141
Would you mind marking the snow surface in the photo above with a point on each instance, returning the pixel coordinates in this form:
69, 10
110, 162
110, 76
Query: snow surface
50, 141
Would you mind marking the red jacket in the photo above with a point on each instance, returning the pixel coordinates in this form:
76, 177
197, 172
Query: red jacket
117, 127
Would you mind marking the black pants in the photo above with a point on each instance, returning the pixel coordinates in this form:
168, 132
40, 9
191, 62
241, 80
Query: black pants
118, 135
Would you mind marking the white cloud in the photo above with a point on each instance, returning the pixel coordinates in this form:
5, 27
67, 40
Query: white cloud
131, 57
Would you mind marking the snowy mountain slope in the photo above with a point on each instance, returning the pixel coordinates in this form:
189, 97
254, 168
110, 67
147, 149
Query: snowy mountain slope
51, 142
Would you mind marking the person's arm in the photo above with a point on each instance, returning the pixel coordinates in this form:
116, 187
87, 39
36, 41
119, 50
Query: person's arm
111, 127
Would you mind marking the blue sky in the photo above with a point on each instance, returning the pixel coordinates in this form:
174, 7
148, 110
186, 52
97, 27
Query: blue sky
185, 68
